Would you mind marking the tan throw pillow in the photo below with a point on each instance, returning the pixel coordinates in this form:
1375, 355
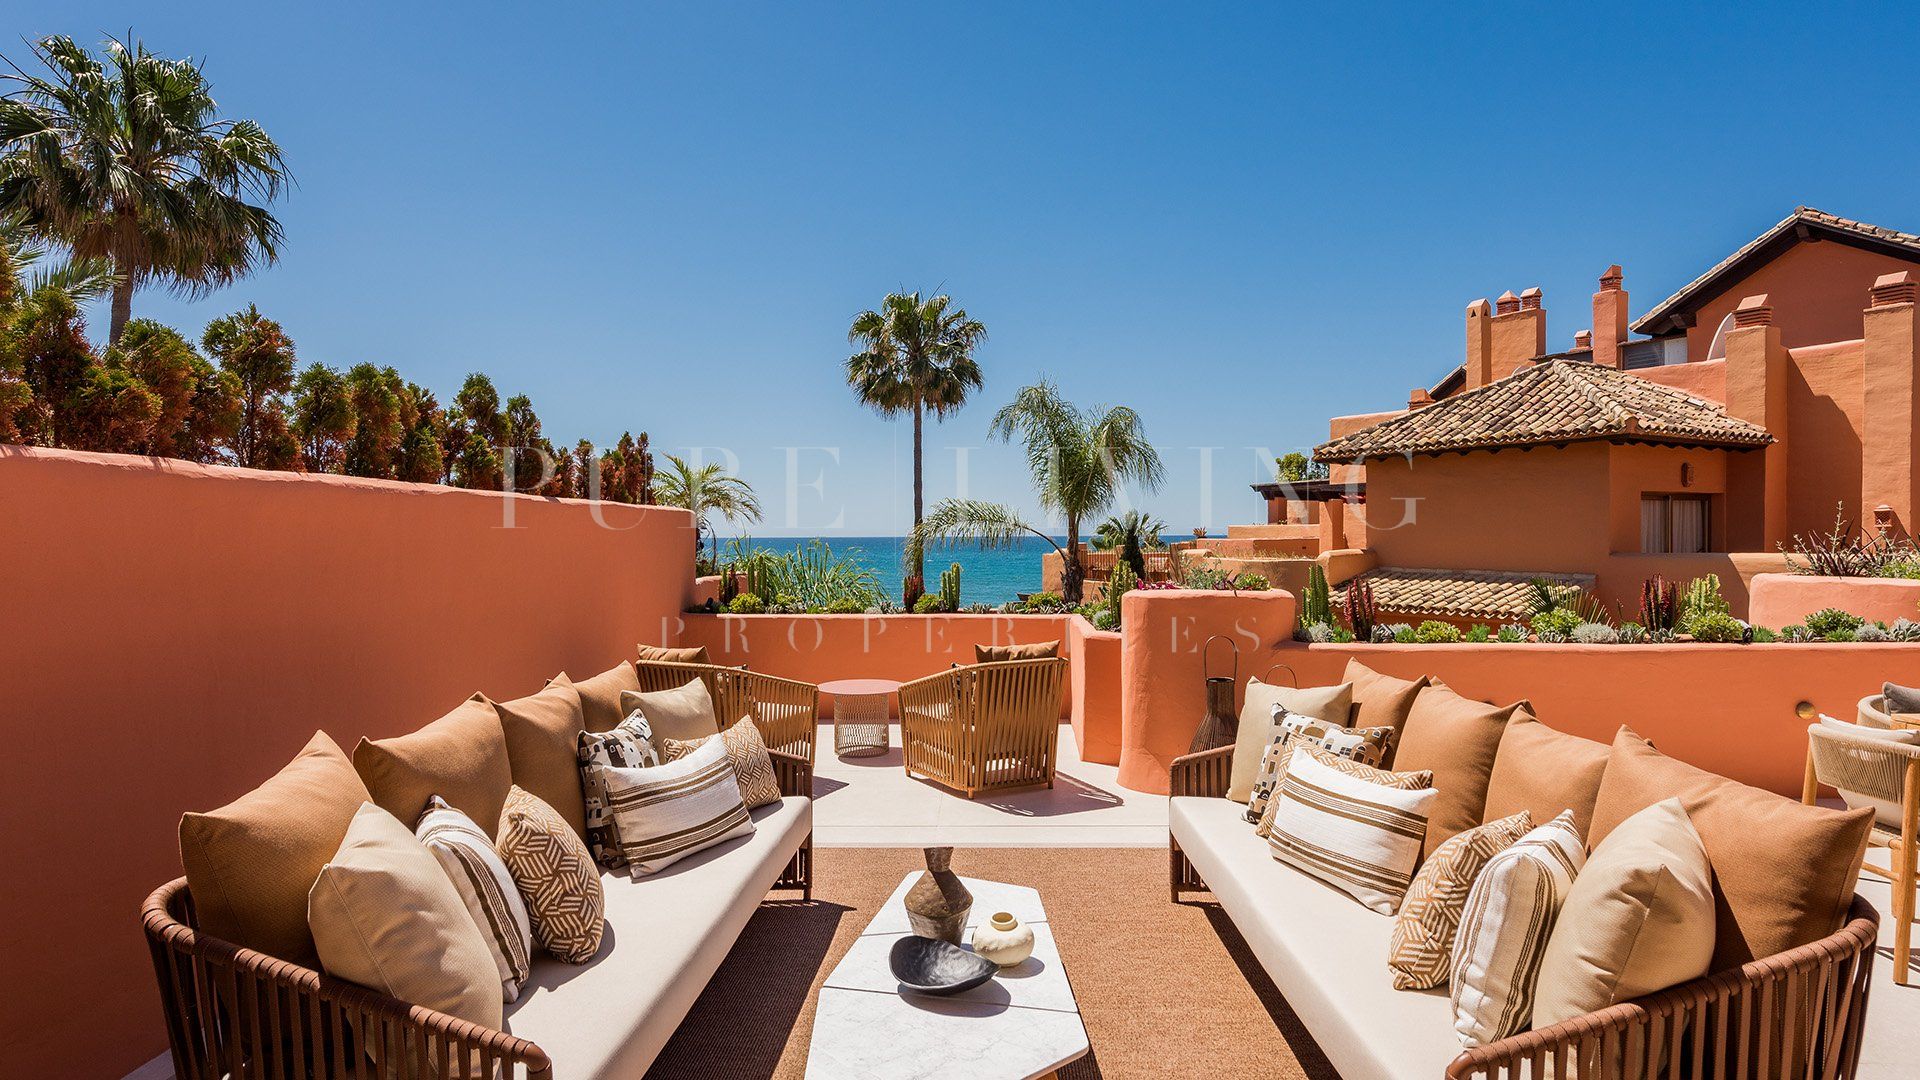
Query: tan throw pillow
1783, 873
251, 863
1039, 650
1544, 771
1639, 918
1330, 704
556, 878
1413, 781
1368, 746
1420, 950
629, 746
668, 812
1361, 838
461, 757
385, 915
696, 654
543, 747
747, 753
684, 713
1381, 700
600, 696
1456, 739
1509, 917
486, 888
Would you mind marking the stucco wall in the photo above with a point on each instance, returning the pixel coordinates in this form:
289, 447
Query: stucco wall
1780, 599
1541, 509
1816, 290
174, 633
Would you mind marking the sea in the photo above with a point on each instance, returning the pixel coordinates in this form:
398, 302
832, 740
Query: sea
986, 577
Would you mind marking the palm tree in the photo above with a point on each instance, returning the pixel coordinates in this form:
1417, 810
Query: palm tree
127, 162
916, 357
706, 490
1132, 534
1079, 462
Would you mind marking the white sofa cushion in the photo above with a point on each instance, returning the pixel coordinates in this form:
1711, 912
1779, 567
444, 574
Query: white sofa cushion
1325, 953
666, 935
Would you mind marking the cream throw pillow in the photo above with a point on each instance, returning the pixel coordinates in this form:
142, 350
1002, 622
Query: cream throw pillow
485, 887
1638, 919
1261, 710
1504, 930
1408, 781
670, 811
1420, 950
1363, 839
385, 915
685, 713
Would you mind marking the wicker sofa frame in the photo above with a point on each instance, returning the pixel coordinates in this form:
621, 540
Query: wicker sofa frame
787, 711
234, 1013
1794, 1015
984, 727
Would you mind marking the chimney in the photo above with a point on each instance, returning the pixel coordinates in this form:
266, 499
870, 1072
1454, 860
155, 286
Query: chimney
1480, 343
1609, 318
1507, 304
1419, 399
1753, 311
1530, 299
1582, 339
1519, 333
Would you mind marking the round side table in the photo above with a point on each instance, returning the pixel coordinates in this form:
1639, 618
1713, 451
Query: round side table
860, 715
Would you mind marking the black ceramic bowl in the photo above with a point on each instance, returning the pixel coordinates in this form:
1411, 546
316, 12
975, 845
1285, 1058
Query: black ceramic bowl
932, 966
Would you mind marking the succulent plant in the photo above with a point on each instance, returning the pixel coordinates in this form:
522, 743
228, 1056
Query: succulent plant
1829, 621
1904, 630
1631, 633
1316, 602
950, 588
1703, 601
1593, 633
1555, 625
1510, 634
1659, 603
1361, 611
1872, 632
1320, 633
1796, 633
1717, 627
1435, 632
746, 604
1479, 633
1403, 634
1760, 635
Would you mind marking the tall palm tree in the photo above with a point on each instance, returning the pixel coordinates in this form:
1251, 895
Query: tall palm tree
126, 160
1079, 461
706, 490
1132, 535
916, 357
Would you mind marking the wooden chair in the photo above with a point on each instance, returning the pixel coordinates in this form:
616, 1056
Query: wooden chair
983, 727
1890, 773
787, 711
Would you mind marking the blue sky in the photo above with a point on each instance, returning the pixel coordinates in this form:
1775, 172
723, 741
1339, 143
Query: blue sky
1238, 221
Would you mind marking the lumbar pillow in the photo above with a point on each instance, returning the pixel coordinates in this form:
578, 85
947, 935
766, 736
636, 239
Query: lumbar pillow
1420, 952
629, 746
1368, 746
543, 736
1886, 811
1504, 929
1412, 781
670, 811
385, 915
1456, 739
1543, 772
600, 696
1361, 838
696, 654
1039, 650
1638, 919
251, 863
485, 887
461, 757
747, 753
1331, 705
556, 877
684, 713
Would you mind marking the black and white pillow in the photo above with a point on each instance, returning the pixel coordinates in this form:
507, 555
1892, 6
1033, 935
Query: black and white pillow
1368, 746
628, 746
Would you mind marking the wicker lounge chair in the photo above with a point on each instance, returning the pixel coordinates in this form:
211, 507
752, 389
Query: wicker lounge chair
1890, 773
785, 710
984, 727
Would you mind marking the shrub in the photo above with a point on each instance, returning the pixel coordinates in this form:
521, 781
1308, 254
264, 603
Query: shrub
928, 604
1632, 633
1829, 621
1403, 634
1253, 583
1205, 577
1044, 603
846, 605
1555, 625
1847, 552
1342, 636
1717, 627
1593, 633
1510, 634
1479, 633
1761, 635
746, 604
1435, 632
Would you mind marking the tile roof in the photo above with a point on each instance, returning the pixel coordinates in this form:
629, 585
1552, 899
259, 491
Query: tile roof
1484, 595
1556, 401
1804, 221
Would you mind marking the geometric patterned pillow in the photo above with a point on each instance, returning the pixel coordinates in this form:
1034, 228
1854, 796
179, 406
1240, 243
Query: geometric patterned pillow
752, 766
1420, 950
1402, 781
628, 746
556, 877
1368, 746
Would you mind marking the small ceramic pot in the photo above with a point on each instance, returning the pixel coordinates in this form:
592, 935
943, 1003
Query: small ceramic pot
1003, 939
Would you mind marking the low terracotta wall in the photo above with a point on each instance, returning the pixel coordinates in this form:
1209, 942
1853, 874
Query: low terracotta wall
1095, 690
819, 648
175, 633
1781, 599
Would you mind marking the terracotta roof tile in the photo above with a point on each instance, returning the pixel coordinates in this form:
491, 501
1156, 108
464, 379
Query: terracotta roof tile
1557, 401
1492, 596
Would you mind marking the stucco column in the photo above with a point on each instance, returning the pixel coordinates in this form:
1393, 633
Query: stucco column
1757, 392
1479, 359
1891, 431
1609, 318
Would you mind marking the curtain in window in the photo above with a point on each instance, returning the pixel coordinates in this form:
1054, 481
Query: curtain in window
1653, 524
1689, 535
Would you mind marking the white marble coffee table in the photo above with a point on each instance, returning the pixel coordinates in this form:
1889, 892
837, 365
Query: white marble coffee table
1023, 1024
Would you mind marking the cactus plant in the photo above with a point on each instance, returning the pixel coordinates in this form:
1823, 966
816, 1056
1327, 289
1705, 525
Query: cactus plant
1703, 601
1872, 632
1119, 585
950, 588
1316, 605
1659, 603
1361, 611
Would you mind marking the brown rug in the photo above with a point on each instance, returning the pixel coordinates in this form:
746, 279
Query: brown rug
1166, 990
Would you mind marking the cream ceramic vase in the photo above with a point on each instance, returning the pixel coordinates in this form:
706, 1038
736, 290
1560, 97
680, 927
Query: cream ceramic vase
1003, 939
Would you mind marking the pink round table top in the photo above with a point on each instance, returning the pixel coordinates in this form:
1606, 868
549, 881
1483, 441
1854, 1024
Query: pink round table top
860, 687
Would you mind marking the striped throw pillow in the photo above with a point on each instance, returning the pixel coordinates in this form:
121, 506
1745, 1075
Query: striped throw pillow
670, 811
1368, 746
1421, 948
485, 887
1362, 838
1405, 781
629, 745
1504, 930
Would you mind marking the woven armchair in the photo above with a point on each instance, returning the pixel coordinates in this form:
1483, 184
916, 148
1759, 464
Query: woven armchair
1890, 773
983, 727
787, 711
233, 1012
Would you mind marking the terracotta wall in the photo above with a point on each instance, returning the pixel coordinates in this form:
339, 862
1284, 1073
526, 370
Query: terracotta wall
1094, 690
1780, 599
174, 633
1817, 292
1542, 509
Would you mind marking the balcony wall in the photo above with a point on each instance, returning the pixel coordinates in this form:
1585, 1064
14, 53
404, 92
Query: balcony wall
174, 633
1780, 599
